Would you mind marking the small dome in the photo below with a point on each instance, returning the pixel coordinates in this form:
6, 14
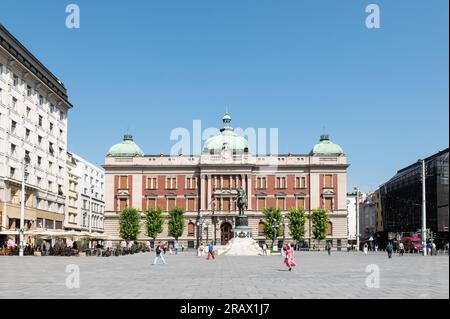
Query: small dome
227, 140
326, 148
128, 148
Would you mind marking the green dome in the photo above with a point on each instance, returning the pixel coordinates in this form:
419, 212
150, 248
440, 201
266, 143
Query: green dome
226, 140
326, 148
128, 148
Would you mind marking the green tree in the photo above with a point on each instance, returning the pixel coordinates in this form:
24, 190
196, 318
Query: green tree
130, 222
297, 220
320, 222
273, 217
176, 222
154, 222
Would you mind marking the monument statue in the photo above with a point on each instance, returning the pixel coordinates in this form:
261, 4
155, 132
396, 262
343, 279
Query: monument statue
242, 201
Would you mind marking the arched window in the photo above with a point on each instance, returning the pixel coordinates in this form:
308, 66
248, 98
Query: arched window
330, 229
261, 229
191, 230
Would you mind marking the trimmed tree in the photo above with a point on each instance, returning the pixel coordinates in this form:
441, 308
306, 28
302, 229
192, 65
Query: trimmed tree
297, 220
320, 221
130, 222
273, 217
154, 222
176, 222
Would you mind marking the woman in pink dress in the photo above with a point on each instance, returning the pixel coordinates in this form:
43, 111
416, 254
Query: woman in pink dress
290, 259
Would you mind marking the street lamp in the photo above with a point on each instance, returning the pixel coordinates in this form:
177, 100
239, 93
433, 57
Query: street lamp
424, 207
275, 227
357, 218
90, 209
26, 162
206, 227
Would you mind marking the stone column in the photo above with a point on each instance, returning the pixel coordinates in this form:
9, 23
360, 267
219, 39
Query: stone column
249, 193
244, 182
202, 192
209, 199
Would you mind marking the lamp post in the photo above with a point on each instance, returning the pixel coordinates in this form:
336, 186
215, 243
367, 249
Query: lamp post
206, 226
284, 230
424, 208
90, 209
26, 162
357, 219
275, 227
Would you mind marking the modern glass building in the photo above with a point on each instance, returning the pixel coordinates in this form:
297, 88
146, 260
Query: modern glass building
401, 200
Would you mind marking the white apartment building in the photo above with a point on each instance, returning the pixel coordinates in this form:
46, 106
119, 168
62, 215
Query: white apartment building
91, 190
33, 124
351, 208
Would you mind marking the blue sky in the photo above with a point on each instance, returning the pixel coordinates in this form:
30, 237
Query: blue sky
299, 66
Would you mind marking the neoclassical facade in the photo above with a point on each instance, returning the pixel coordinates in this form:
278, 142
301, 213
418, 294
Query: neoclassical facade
206, 186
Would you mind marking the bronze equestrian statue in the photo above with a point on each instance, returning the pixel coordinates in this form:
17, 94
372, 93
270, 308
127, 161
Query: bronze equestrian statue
242, 201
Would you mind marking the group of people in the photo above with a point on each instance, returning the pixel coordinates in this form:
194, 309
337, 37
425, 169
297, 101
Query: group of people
161, 250
206, 251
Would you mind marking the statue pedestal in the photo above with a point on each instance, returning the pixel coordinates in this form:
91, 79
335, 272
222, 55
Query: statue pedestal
242, 229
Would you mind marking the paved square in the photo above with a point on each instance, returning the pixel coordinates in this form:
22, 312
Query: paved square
188, 277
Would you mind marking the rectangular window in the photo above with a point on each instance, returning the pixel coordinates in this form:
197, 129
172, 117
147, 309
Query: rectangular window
328, 204
49, 224
27, 133
171, 203
301, 203
171, 183
226, 205
29, 90
328, 181
123, 203
123, 182
151, 183
40, 121
14, 104
191, 204
281, 203
41, 100
226, 182
280, 182
261, 204
151, 203
191, 183
13, 127
12, 172
15, 80
13, 149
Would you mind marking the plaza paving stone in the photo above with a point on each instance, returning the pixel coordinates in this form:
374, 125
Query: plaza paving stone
318, 276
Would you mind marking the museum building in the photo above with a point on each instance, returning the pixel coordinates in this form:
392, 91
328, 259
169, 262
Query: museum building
206, 187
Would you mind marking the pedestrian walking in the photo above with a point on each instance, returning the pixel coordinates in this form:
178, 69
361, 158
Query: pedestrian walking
390, 250
289, 261
200, 251
329, 247
159, 254
264, 249
211, 251
401, 249
434, 249
366, 249
176, 248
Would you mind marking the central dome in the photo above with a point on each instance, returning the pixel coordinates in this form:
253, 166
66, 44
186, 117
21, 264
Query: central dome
227, 140
128, 148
